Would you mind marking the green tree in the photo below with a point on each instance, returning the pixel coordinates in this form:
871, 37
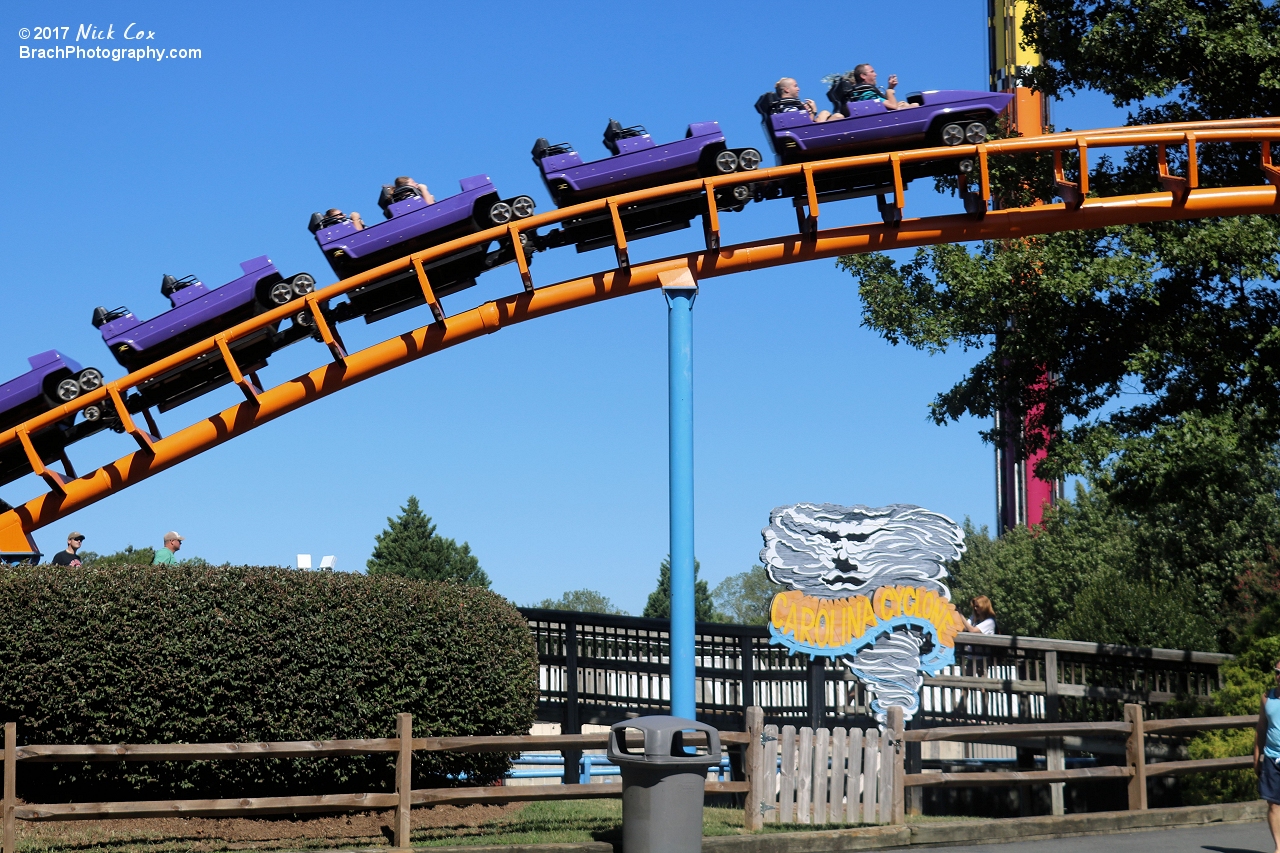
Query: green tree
1244, 680
1186, 313
744, 599
1117, 608
582, 601
130, 556
1035, 578
1086, 574
409, 547
659, 604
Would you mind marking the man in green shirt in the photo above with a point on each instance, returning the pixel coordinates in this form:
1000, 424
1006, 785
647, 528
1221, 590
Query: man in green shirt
172, 542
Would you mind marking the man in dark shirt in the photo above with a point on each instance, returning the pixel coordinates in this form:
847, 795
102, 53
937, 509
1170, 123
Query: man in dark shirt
68, 557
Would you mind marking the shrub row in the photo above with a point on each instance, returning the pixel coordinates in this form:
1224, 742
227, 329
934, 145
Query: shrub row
156, 654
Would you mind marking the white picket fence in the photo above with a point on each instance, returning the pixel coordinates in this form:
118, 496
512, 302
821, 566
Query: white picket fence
827, 776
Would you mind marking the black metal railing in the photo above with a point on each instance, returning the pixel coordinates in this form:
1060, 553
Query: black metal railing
595, 668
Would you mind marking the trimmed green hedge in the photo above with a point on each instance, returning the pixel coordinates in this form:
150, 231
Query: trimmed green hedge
171, 654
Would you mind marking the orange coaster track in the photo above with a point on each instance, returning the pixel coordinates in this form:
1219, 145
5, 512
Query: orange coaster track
1182, 198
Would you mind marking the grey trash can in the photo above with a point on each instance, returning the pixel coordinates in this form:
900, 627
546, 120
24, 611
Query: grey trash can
662, 785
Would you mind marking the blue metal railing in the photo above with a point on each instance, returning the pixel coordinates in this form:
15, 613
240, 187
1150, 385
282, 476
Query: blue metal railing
551, 766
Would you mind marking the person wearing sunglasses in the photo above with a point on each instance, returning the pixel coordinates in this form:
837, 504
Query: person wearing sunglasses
1266, 752
68, 557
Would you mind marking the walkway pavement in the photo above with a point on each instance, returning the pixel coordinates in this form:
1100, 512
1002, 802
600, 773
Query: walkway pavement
1228, 838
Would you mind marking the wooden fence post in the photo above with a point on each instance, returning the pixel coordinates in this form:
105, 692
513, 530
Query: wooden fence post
1136, 755
10, 787
753, 761
1054, 758
404, 779
897, 809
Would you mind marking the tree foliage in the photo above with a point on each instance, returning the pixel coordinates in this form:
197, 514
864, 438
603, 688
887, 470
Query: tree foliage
658, 605
130, 556
1080, 577
409, 547
1245, 679
1184, 313
1216, 59
745, 598
582, 601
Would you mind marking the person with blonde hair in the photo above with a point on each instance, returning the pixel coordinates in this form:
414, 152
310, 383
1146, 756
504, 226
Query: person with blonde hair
787, 88
984, 613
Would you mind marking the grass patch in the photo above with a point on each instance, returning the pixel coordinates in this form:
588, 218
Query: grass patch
564, 821
561, 822
567, 821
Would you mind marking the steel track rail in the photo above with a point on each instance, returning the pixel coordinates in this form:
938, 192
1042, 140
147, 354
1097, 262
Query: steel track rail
1182, 199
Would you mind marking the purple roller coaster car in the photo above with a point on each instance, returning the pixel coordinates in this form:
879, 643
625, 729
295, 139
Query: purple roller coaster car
198, 313
940, 118
413, 225
638, 163
52, 380
944, 117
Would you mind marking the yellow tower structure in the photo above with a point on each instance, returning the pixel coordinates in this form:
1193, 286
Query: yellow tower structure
1010, 63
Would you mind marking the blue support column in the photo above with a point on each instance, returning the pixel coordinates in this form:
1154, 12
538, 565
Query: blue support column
680, 295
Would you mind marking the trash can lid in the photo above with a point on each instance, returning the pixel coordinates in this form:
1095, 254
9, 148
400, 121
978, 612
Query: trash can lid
664, 742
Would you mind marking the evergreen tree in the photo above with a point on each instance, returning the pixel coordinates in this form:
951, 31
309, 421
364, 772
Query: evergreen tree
659, 604
409, 547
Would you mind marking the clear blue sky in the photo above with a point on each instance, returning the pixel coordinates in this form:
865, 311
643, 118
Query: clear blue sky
543, 446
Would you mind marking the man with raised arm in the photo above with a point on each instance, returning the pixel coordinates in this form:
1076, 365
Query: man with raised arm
863, 77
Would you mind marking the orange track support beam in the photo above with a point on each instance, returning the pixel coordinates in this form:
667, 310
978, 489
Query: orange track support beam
158, 454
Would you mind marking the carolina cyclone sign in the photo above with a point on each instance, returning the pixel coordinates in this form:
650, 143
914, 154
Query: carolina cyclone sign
867, 587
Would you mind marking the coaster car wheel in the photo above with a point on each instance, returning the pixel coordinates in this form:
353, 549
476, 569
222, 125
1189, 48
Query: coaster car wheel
952, 134
726, 162
749, 160
280, 293
89, 379
522, 206
302, 284
67, 390
500, 213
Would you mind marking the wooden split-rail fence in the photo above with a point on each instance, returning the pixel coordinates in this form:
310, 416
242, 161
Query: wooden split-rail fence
402, 798
820, 776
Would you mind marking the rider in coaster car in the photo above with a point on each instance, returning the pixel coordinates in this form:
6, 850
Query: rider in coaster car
862, 87
406, 181
354, 218
402, 188
788, 89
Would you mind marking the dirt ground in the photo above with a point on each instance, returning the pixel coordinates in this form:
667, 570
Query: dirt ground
197, 834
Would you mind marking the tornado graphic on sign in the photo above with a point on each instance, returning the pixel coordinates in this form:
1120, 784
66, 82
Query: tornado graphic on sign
866, 586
